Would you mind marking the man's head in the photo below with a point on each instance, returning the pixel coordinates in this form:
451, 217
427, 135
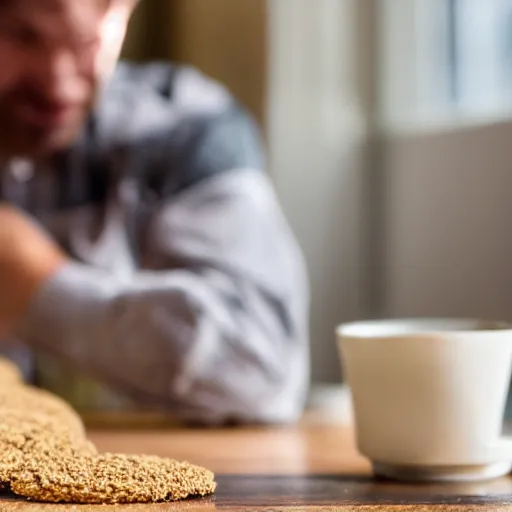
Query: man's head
55, 55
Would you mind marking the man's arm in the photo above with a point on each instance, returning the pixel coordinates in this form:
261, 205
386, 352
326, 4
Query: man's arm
27, 258
218, 331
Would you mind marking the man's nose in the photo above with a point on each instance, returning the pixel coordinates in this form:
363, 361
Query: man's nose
61, 78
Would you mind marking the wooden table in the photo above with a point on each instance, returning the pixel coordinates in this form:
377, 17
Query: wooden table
308, 467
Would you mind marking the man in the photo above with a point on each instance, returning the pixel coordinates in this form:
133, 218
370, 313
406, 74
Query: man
151, 253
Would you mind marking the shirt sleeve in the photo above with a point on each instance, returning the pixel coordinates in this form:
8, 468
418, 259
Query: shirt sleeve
215, 327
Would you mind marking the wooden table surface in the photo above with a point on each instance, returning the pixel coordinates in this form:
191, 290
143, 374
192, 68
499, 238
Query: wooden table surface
307, 467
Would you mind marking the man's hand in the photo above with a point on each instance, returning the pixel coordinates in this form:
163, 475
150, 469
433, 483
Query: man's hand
28, 257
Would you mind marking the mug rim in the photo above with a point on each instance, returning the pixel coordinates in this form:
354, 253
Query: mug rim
405, 327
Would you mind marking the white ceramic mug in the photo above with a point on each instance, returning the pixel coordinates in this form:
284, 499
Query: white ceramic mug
429, 396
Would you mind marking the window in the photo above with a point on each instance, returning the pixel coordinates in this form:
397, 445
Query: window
444, 61
480, 54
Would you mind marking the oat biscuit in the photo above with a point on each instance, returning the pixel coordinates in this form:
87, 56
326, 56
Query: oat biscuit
27, 398
45, 456
25, 435
110, 478
11, 460
33, 432
9, 373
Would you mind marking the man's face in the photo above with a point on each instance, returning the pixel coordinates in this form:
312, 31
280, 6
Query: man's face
54, 57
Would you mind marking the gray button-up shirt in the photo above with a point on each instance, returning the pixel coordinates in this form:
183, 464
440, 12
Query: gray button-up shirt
187, 289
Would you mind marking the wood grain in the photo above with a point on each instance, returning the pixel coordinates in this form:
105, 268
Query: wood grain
288, 450
319, 492
285, 469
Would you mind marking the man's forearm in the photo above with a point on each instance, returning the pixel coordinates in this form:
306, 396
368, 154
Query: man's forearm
28, 258
169, 337
222, 335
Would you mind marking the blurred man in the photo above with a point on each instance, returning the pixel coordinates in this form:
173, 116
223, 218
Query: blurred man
140, 241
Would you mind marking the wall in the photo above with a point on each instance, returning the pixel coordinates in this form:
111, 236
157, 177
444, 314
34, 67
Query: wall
448, 206
320, 101
136, 43
228, 40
